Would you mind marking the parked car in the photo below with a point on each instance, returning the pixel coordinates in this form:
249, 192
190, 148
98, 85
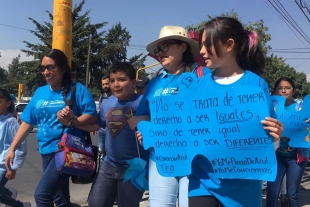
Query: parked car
19, 107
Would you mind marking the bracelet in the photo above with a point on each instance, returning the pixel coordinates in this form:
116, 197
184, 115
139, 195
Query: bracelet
71, 123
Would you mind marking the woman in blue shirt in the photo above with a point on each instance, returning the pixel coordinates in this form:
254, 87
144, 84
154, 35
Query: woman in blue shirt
176, 52
42, 111
290, 161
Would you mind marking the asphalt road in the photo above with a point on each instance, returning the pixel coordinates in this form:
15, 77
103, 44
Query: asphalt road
29, 175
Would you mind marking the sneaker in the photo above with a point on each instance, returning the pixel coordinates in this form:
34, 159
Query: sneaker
14, 192
26, 204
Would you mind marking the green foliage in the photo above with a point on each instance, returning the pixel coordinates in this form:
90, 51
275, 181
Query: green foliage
106, 47
275, 67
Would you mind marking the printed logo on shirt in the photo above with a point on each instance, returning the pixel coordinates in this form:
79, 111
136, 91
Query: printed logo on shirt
46, 104
166, 91
117, 119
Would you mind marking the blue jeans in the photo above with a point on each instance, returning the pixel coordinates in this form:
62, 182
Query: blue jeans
101, 141
294, 173
53, 186
109, 181
5, 198
164, 191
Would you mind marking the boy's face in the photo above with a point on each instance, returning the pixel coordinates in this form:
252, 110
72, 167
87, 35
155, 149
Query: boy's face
121, 85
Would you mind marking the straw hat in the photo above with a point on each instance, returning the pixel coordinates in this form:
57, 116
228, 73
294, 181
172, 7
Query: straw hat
176, 33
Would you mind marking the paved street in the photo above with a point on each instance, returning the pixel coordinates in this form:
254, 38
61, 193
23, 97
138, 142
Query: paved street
28, 176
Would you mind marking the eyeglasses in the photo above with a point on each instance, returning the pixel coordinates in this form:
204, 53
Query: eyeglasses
285, 88
163, 48
49, 67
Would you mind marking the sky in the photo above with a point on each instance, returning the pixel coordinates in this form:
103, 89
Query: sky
144, 19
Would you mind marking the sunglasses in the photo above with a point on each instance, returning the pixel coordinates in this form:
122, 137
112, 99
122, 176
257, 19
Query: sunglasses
164, 48
49, 67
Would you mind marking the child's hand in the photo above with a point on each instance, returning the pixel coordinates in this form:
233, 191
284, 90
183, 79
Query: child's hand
10, 174
139, 137
308, 120
9, 159
134, 120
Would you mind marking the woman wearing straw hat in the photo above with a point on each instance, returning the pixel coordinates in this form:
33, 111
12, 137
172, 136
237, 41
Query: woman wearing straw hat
176, 52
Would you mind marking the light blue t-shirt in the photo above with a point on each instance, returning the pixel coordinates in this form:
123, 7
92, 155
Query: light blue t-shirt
42, 111
8, 129
202, 181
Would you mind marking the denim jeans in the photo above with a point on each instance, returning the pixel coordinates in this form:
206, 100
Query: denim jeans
109, 181
53, 186
101, 141
294, 173
5, 198
164, 191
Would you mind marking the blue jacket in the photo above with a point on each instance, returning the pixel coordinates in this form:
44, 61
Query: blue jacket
8, 129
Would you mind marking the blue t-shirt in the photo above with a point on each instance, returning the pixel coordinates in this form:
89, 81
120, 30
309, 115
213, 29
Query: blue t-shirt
202, 181
120, 141
163, 85
42, 111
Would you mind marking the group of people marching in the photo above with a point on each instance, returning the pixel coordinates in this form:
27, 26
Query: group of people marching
236, 59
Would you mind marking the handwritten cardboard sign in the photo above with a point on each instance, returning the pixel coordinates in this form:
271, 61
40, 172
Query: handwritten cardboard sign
222, 125
295, 126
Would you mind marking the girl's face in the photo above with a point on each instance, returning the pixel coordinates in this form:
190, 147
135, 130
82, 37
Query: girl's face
211, 61
4, 104
52, 73
285, 89
170, 54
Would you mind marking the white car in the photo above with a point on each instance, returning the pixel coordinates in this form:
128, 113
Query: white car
19, 107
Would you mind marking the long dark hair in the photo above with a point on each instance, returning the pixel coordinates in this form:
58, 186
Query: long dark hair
284, 79
249, 54
62, 62
187, 58
5, 94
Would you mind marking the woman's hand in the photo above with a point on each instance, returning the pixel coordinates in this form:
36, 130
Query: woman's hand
9, 159
275, 128
65, 115
139, 137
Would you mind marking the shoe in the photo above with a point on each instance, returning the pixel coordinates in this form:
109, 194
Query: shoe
14, 192
26, 204
284, 201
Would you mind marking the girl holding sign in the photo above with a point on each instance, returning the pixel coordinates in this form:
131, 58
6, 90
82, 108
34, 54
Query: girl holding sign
235, 55
176, 52
291, 161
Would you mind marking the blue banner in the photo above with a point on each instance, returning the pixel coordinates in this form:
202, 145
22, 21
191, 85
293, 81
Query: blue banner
223, 125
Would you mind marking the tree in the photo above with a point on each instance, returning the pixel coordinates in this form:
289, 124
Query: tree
275, 67
106, 48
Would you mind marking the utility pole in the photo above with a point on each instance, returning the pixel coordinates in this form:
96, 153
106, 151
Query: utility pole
87, 66
62, 27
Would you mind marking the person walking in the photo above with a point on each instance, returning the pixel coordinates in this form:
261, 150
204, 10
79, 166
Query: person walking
42, 111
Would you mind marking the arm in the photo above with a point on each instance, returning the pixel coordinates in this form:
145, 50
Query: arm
20, 136
65, 115
89, 128
21, 151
